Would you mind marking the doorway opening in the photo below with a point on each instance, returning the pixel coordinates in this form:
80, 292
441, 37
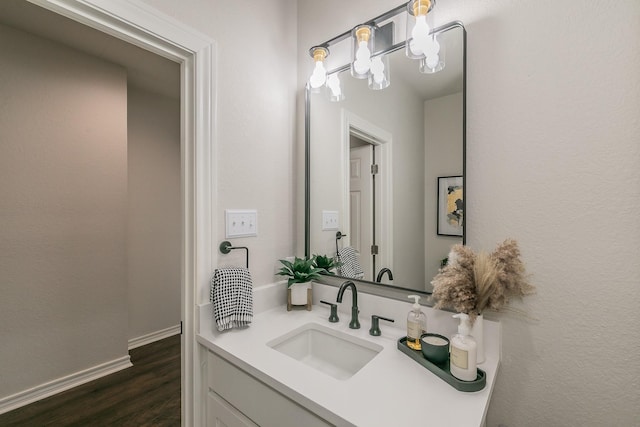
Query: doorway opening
143, 27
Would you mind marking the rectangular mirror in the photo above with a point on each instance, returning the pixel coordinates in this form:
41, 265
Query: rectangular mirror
389, 165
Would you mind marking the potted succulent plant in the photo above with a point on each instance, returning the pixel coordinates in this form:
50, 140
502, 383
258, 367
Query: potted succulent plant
300, 273
325, 263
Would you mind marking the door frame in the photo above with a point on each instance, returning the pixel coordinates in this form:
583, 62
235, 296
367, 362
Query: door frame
383, 140
145, 27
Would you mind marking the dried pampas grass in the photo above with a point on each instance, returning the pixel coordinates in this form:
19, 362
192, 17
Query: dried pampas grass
472, 283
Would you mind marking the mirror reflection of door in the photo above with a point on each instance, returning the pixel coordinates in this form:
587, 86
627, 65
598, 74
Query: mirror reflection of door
361, 208
364, 196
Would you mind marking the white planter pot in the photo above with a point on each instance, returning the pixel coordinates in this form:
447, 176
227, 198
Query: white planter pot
299, 293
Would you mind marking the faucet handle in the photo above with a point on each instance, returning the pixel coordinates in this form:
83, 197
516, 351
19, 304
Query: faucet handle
375, 325
333, 318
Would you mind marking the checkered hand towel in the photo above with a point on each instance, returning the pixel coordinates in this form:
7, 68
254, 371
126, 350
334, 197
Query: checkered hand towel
232, 298
350, 265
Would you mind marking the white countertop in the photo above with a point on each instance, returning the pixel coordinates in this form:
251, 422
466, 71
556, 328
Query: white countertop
391, 390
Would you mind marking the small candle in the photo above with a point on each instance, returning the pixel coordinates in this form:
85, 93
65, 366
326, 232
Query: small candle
430, 339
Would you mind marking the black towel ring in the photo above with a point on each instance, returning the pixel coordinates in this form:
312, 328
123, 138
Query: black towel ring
225, 248
339, 236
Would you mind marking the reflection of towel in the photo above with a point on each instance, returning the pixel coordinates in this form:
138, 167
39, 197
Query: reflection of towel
350, 265
232, 298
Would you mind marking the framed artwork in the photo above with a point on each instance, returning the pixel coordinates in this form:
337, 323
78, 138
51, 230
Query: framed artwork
450, 206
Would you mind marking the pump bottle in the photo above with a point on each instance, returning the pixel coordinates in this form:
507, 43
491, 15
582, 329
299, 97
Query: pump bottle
463, 351
416, 324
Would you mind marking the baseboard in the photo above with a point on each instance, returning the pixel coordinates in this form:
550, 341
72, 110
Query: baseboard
153, 337
59, 385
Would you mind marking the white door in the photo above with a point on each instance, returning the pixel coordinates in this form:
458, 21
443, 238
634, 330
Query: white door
361, 205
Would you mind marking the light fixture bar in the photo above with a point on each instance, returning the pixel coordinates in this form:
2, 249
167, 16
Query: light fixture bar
373, 22
384, 37
396, 46
371, 42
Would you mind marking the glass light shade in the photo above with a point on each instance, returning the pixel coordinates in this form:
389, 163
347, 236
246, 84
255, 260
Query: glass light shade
379, 77
419, 25
361, 49
434, 59
334, 89
319, 75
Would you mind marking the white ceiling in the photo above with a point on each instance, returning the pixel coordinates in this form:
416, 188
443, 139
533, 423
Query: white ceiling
145, 70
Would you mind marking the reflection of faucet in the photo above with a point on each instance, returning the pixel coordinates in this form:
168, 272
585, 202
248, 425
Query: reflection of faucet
354, 324
381, 273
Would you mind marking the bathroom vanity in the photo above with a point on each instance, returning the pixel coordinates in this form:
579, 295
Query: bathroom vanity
250, 381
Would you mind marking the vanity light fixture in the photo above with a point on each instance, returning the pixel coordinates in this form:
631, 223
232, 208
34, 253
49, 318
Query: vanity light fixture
419, 20
433, 62
363, 64
319, 75
362, 48
333, 88
379, 77
422, 43
371, 43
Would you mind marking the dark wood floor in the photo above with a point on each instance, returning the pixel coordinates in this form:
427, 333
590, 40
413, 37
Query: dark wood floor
147, 394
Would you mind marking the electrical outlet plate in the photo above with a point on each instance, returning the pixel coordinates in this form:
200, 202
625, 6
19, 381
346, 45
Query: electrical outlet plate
241, 222
330, 220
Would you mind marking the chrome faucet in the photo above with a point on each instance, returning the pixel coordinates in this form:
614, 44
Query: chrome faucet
354, 324
381, 273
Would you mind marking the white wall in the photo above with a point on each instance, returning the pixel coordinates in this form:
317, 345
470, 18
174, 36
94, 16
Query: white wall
63, 161
552, 161
255, 122
553, 154
153, 212
443, 157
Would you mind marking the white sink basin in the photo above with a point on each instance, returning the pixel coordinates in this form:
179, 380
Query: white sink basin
332, 352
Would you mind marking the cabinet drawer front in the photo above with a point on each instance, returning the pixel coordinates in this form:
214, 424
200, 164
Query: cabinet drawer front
221, 414
259, 402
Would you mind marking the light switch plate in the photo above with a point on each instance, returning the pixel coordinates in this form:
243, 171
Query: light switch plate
330, 220
241, 222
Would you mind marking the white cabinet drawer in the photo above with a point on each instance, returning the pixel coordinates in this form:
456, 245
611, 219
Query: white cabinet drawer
258, 402
221, 414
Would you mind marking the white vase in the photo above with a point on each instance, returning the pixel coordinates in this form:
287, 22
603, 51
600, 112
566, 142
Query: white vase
299, 293
477, 332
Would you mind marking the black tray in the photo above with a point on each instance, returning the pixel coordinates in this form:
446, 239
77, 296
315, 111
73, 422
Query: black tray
443, 370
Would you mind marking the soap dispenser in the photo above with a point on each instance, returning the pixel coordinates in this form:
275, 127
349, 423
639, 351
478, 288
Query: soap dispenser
463, 351
416, 324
